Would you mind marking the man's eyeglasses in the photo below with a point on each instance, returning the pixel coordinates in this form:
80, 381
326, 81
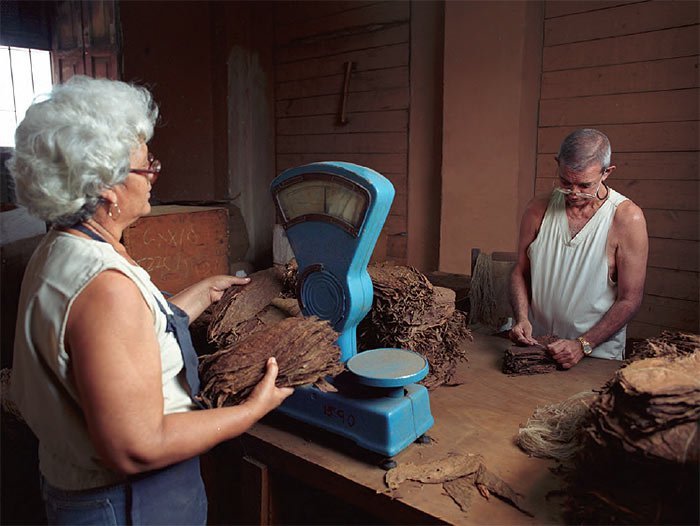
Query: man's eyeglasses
152, 172
582, 195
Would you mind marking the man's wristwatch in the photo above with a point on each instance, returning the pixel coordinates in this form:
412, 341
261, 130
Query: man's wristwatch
585, 346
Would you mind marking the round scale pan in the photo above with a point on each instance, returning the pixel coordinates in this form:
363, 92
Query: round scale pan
388, 367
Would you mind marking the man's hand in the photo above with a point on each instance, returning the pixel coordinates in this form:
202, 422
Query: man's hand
566, 353
522, 333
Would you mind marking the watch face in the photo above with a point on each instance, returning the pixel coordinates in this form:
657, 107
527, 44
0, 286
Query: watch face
585, 346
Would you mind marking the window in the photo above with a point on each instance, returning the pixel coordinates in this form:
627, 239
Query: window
24, 74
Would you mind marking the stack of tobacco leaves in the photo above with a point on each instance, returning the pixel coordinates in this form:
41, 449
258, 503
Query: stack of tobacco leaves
652, 408
529, 359
409, 312
670, 344
305, 350
642, 454
239, 312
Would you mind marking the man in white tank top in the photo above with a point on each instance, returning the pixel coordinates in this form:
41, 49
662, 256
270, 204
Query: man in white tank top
582, 257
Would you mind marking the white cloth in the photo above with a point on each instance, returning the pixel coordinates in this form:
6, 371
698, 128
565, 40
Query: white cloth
571, 287
42, 381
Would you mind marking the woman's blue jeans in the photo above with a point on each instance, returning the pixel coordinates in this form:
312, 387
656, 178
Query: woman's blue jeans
171, 496
104, 506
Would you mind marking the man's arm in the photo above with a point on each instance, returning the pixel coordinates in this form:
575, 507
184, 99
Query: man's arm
520, 277
631, 263
629, 227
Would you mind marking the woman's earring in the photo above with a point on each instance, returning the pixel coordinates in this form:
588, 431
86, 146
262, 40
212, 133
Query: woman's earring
116, 208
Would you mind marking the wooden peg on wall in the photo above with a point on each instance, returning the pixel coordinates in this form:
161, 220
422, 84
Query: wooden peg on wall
342, 118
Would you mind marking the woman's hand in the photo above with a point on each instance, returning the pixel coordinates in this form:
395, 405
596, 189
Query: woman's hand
266, 396
217, 285
195, 299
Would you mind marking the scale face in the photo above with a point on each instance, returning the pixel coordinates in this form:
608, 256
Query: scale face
333, 213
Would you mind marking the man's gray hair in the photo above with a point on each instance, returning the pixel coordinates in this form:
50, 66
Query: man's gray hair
77, 142
583, 147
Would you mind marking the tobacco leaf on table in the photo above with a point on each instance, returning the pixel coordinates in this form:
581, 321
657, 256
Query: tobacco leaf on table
498, 487
449, 468
461, 491
458, 473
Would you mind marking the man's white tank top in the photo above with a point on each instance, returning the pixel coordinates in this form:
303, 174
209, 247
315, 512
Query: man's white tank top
571, 288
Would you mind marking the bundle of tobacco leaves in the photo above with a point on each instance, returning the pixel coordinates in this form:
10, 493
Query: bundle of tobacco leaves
652, 408
234, 316
409, 312
529, 359
667, 344
305, 350
640, 461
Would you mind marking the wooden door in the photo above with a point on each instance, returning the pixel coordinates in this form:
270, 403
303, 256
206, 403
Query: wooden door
85, 40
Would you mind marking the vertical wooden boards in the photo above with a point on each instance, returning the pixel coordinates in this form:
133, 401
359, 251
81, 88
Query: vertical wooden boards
314, 43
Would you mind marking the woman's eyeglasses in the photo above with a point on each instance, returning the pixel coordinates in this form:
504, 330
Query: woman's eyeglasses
152, 172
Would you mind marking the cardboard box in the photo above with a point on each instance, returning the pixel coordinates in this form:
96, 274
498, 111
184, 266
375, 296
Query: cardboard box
180, 245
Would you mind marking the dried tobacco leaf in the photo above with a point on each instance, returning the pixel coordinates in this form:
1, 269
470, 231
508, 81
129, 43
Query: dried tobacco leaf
449, 468
457, 473
305, 349
529, 359
410, 313
669, 343
240, 303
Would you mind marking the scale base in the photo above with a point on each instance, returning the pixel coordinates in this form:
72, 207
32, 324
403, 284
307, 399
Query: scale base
383, 424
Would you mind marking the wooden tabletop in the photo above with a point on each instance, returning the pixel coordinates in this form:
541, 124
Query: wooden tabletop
482, 415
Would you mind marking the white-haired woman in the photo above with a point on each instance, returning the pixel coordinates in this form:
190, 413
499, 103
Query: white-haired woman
104, 371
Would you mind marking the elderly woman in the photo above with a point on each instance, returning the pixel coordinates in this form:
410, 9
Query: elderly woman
104, 371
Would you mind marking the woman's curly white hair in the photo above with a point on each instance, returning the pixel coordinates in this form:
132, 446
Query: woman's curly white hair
76, 143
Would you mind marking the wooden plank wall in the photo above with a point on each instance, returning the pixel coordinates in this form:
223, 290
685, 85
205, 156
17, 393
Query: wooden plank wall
313, 42
630, 69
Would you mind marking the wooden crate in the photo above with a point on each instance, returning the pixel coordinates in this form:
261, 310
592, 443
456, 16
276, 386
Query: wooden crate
180, 245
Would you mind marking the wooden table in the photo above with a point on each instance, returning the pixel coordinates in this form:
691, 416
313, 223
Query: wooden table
480, 416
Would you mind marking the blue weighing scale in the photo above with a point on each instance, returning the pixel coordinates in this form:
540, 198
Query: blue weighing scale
333, 213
